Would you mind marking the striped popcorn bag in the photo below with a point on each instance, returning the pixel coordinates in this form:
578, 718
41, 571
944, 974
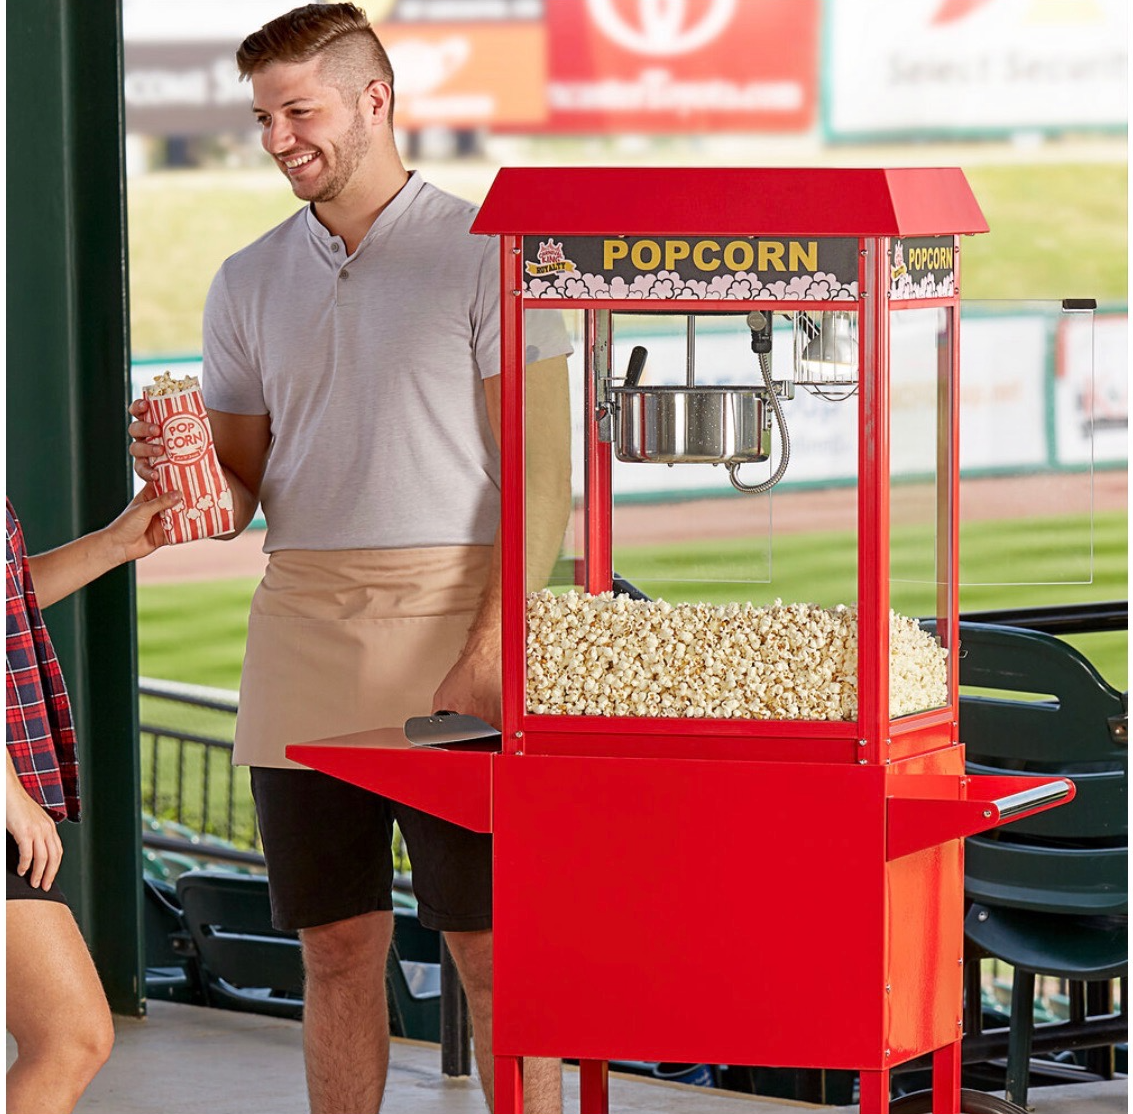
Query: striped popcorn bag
189, 464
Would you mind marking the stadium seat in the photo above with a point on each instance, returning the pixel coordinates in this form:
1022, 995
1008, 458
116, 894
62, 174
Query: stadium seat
172, 972
1048, 894
246, 964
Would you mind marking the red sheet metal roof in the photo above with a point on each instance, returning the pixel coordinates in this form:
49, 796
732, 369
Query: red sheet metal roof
666, 201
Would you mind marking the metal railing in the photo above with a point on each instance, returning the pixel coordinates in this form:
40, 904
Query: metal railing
188, 780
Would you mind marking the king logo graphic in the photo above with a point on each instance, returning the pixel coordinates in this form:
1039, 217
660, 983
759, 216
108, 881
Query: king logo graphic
551, 258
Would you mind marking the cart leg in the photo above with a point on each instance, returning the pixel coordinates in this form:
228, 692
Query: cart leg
594, 1085
946, 1079
509, 1085
874, 1087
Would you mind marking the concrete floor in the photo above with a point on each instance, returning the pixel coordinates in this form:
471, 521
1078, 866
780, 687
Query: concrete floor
185, 1059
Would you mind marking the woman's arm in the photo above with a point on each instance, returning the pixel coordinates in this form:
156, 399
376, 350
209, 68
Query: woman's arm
34, 832
135, 533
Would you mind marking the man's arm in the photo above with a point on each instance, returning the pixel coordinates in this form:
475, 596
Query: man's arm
548, 477
242, 445
243, 442
473, 684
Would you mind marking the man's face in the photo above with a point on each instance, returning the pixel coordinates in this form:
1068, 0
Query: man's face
316, 139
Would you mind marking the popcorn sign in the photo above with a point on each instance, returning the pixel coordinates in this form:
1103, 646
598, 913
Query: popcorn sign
189, 463
186, 439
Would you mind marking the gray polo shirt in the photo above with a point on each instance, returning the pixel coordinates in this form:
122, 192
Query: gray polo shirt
370, 367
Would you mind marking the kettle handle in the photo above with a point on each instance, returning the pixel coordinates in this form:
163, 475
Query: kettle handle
636, 366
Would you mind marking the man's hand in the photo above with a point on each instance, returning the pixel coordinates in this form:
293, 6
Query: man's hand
139, 429
35, 834
472, 686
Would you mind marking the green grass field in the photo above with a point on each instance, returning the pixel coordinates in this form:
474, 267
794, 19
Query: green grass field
195, 632
1056, 231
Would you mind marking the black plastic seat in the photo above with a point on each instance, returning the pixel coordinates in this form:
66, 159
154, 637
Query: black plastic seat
1048, 894
246, 964
413, 977
172, 972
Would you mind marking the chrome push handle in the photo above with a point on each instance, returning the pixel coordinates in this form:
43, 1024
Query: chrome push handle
1027, 799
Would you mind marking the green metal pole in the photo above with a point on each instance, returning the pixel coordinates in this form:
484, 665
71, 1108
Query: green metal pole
67, 392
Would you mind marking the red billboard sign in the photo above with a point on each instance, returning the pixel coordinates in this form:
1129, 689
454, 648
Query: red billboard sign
682, 65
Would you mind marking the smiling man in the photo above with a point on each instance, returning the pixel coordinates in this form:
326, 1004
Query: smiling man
351, 373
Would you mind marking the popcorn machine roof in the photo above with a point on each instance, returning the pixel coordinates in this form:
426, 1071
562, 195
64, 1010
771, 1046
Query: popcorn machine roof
664, 201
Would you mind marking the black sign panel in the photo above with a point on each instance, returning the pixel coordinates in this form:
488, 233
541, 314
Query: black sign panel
922, 267
709, 268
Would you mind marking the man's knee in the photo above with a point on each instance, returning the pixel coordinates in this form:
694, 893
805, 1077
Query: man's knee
346, 949
472, 952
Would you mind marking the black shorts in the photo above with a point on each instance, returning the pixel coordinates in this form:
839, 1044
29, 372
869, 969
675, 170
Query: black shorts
20, 888
327, 846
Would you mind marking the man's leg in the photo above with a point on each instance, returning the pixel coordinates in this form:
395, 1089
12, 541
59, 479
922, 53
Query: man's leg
345, 1016
542, 1078
329, 874
57, 1011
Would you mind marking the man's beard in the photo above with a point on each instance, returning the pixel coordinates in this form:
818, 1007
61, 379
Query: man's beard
349, 151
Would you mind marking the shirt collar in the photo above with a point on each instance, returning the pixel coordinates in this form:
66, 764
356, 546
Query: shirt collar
394, 208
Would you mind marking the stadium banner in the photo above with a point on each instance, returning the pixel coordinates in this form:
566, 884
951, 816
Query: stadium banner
973, 67
698, 65
1091, 389
1059, 402
184, 88
464, 75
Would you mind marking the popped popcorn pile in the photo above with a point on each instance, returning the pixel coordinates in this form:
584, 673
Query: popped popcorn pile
164, 385
610, 655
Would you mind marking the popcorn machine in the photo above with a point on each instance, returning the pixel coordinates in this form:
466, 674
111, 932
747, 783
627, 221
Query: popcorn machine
799, 762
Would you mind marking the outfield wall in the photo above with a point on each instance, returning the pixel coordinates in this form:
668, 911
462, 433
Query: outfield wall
1041, 391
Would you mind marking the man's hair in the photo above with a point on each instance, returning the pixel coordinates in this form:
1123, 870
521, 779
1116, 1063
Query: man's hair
340, 35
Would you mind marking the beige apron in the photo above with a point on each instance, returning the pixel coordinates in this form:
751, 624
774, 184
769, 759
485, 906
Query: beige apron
346, 640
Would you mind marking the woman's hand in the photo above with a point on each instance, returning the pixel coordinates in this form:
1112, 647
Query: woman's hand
41, 850
137, 531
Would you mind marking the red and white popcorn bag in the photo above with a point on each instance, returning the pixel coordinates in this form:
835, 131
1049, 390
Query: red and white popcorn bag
189, 463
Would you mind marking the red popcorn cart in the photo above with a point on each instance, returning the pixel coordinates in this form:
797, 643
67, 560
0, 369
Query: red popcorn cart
692, 771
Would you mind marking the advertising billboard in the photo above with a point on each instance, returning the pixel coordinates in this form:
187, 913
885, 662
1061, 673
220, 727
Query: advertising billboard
682, 65
973, 67
489, 74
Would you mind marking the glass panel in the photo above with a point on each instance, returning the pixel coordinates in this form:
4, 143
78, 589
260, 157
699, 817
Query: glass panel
744, 605
1038, 413
920, 409
566, 572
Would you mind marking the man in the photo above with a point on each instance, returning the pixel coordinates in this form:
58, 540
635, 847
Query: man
351, 360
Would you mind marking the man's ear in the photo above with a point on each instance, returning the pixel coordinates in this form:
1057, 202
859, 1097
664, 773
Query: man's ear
378, 96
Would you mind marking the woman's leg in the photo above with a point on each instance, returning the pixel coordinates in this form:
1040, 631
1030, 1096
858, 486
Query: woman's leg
57, 1011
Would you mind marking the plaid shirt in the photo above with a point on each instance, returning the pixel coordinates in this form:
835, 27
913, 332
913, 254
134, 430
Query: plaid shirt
41, 736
